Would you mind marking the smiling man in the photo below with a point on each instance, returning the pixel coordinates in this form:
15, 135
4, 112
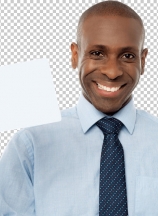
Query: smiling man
101, 159
109, 55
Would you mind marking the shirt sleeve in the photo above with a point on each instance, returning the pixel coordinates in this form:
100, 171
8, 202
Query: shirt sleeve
16, 177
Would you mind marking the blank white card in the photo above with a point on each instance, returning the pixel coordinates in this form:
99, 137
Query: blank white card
27, 95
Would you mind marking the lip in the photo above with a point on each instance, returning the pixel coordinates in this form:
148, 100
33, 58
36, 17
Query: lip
109, 94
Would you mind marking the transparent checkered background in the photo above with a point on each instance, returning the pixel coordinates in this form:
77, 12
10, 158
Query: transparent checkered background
36, 29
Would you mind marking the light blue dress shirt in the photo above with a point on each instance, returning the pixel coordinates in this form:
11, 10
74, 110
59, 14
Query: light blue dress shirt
53, 169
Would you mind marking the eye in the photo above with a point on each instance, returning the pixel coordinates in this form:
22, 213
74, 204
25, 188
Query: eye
128, 56
97, 53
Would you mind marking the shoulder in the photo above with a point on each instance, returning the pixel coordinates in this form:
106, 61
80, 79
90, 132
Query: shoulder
145, 118
69, 120
69, 113
31, 139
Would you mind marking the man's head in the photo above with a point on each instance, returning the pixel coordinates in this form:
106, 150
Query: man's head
109, 54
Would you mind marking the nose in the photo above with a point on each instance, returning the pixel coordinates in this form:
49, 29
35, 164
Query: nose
111, 68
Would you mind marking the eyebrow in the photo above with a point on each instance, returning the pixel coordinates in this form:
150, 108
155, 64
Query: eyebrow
122, 49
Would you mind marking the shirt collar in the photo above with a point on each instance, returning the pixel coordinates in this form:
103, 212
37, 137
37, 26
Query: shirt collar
89, 115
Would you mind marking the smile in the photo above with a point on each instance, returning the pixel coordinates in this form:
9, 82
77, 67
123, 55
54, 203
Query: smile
113, 89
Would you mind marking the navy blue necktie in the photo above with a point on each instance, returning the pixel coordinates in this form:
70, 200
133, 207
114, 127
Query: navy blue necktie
112, 191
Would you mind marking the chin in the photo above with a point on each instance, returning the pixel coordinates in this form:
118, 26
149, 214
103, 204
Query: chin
108, 109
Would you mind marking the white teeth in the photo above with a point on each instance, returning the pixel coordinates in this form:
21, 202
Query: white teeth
113, 89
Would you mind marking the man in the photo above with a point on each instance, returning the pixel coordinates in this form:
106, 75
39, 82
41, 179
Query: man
66, 168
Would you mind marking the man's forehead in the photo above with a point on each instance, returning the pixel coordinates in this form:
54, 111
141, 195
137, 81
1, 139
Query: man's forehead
96, 21
99, 29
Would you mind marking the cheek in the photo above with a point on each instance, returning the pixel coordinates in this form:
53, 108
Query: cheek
85, 70
135, 76
133, 73
86, 67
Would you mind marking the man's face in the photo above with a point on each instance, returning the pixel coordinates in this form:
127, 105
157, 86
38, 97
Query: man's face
110, 60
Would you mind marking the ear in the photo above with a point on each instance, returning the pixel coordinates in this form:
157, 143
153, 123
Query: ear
74, 55
143, 57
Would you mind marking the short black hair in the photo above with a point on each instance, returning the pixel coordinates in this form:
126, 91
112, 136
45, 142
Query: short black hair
113, 8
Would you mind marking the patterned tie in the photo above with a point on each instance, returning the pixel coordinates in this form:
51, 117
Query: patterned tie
112, 192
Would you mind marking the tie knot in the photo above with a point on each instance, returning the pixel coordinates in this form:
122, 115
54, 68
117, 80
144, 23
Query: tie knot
109, 125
